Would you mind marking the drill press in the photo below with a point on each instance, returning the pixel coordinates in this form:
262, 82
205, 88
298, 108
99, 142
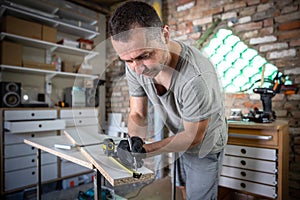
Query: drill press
267, 115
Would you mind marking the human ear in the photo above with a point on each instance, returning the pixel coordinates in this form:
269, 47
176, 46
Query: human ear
166, 34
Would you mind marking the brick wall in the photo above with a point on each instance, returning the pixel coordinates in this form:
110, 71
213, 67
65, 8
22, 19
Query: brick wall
271, 27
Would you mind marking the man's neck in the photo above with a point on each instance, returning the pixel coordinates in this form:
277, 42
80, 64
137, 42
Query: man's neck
165, 76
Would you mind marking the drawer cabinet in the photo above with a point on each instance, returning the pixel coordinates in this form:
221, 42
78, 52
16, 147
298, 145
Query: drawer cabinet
33, 126
80, 117
85, 119
252, 164
255, 188
19, 138
18, 160
26, 177
17, 115
255, 176
29, 161
256, 159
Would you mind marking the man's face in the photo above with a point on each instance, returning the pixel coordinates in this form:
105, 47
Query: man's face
143, 56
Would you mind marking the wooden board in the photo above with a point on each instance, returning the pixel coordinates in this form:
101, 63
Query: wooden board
88, 156
113, 173
47, 144
83, 136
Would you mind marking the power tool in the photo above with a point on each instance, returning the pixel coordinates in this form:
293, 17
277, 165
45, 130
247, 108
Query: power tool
109, 147
267, 115
124, 162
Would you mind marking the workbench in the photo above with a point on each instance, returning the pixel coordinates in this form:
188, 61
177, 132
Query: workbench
87, 153
256, 159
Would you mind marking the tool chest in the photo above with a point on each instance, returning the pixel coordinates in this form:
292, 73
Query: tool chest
19, 159
256, 159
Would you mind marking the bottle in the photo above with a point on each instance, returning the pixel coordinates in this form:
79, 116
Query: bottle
57, 62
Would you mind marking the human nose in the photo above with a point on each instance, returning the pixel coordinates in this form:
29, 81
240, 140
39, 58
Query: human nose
138, 67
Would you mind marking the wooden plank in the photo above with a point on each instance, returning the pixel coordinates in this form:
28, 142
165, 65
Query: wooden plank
113, 173
89, 156
47, 144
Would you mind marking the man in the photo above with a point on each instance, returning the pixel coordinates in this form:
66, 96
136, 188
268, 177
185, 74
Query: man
183, 85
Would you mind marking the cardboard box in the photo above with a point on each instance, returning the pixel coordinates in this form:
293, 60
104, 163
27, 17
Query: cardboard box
83, 69
49, 34
11, 53
37, 65
22, 27
69, 43
68, 66
85, 44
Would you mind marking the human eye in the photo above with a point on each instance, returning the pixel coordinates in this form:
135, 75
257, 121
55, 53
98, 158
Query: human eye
144, 56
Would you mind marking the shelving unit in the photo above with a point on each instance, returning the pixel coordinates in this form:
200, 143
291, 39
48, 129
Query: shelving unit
71, 21
48, 45
48, 73
48, 19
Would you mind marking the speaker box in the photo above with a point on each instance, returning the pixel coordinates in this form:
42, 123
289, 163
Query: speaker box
92, 97
10, 94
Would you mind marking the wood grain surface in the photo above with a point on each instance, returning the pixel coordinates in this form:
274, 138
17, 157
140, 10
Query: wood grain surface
87, 151
112, 172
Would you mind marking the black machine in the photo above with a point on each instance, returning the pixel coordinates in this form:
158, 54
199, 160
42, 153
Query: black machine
267, 115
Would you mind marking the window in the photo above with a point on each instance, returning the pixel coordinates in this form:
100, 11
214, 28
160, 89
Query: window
240, 68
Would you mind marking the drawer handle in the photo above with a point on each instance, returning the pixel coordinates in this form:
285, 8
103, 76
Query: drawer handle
33, 160
243, 151
243, 185
243, 174
80, 113
32, 135
243, 162
32, 114
40, 125
33, 173
248, 136
80, 121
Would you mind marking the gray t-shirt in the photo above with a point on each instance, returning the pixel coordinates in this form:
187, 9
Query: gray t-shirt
194, 95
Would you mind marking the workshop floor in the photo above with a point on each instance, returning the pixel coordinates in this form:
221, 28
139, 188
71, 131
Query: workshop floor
158, 190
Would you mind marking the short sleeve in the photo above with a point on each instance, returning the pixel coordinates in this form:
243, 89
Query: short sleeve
200, 98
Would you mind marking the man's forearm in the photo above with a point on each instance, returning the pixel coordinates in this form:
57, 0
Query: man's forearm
176, 143
137, 125
192, 136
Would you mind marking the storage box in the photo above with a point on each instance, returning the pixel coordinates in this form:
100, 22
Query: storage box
70, 183
22, 27
49, 34
84, 69
11, 53
37, 65
69, 43
68, 66
85, 44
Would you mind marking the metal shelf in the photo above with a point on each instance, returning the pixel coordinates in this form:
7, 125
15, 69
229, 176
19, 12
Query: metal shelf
51, 74
48, 45
55, 22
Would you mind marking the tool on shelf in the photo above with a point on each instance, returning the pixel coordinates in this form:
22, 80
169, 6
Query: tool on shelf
267, 115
